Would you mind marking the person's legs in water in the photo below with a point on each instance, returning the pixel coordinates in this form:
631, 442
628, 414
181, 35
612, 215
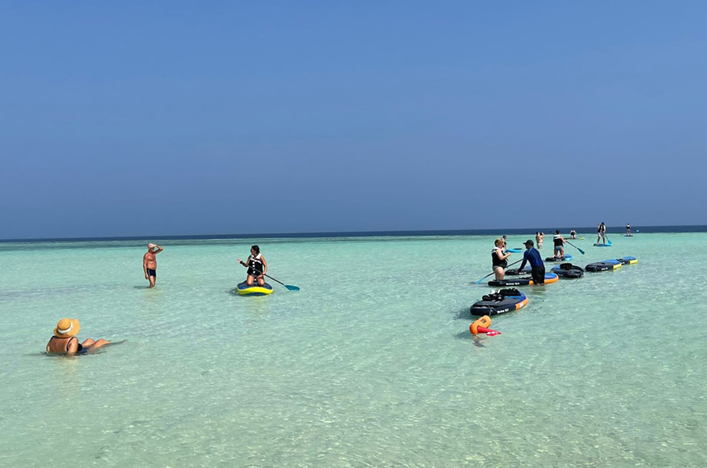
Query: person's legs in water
152, 276
538, 274
90, 345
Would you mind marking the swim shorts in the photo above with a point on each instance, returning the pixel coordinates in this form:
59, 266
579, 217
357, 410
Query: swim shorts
151, 273
538, 274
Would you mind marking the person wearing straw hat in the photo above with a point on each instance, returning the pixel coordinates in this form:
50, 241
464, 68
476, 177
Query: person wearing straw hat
65, 341
149, 263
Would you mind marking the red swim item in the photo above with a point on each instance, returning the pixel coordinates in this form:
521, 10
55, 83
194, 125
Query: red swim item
480, 326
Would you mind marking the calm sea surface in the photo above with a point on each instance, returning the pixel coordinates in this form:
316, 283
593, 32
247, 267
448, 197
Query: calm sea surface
370, 364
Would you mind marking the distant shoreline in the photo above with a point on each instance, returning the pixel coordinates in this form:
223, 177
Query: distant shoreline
615, 230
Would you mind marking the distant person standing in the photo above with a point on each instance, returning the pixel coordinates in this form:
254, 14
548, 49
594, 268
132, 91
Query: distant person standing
539, 236
532, 256
559, 247
573, 234
601, 233
628, 229
149, 263
505, 242
499, 259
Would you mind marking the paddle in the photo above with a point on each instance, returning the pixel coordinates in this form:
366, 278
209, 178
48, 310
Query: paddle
580, 250
288, 286
479, 282
608, 241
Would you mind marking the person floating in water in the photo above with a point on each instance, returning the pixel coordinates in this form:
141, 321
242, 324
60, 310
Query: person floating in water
499, 259
573, 234
559, 247
149, 263
257, 266
532, 256
628, 229
65, 341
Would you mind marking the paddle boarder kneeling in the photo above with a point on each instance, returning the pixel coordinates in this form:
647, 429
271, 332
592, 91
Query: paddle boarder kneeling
559, 246
257, 266
532, 256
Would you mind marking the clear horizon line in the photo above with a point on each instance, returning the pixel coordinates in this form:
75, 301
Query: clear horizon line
399, 233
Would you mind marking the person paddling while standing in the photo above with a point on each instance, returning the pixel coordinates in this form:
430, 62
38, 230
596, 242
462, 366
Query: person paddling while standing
628, 229
573, 234
559, 241
532, 256
499, 259
149, 263
257, 266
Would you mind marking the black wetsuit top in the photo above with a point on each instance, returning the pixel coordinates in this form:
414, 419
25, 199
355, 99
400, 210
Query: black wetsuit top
497, 261
255, 266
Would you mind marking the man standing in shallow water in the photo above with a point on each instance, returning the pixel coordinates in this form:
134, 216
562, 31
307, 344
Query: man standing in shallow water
149, 263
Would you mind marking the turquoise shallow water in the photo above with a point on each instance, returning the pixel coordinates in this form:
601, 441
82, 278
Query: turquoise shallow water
370, 364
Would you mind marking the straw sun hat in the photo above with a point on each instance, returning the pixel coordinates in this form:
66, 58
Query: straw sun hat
66, 328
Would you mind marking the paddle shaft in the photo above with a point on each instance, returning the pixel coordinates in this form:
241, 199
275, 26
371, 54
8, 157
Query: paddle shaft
478, 282
268, 276
580, 250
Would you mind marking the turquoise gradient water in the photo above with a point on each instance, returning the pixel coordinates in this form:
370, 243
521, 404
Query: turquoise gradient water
370, 364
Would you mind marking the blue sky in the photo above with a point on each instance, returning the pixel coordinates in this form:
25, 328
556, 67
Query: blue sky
181, 118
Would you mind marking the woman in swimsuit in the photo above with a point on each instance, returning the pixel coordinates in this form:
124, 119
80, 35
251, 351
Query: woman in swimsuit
65, 341
257, 266
499, 259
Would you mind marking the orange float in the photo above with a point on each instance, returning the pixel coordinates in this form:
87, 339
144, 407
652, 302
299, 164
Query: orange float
481, 326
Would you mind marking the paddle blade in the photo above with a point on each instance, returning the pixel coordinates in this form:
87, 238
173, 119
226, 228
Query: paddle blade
292, 288
580, 250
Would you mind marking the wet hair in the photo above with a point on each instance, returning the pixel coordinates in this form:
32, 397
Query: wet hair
256, 249
557, 231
